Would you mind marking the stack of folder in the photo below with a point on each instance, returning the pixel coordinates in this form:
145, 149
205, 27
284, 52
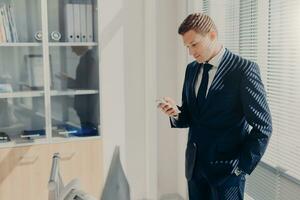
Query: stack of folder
79, 21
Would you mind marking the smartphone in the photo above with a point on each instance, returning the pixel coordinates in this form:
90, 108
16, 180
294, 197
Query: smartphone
160, 101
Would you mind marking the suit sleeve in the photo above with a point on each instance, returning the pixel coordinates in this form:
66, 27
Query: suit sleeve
183, 119
257, 114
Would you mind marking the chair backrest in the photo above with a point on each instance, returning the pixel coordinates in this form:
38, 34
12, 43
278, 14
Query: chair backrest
116, 184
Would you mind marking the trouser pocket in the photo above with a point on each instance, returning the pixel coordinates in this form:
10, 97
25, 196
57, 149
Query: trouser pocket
190, 160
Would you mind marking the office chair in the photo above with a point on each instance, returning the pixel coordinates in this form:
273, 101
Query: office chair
57, 190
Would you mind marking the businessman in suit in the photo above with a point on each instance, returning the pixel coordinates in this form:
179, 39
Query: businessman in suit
224, 106
86, 77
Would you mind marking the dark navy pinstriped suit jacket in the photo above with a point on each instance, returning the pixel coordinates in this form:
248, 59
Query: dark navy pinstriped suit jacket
219, 132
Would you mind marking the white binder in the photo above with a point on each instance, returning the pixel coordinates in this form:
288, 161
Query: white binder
89, 21
77, 21
69, 26
2, 30
83, 22
5, 22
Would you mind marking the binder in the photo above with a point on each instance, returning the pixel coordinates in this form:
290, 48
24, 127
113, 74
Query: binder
89, 21
5, 23
76, 7
69, 23
13, 23
2, 31
83, 22
9, 19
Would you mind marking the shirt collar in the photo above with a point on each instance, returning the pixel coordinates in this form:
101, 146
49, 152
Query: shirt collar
215, 61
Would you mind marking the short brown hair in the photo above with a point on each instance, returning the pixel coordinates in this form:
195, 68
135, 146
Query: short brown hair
198, 22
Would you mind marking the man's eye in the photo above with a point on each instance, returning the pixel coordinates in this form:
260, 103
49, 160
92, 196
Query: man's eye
193, 45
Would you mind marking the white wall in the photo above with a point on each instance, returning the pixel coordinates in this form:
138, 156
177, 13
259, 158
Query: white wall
172, 61
122, 63
112, 62
122, 26
167, 82
182, 60
135, 97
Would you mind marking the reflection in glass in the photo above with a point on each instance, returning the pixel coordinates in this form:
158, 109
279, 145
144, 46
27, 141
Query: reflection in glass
22, 119
21, 69
75, 98
22, 110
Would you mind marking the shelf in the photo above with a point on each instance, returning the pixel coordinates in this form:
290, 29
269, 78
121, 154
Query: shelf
22, 142
21, 44
73, 138
21, 94
69, 44
51, 44
41, 93
72, 92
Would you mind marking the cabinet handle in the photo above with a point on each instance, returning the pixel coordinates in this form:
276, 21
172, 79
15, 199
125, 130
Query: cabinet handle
67, 156
28, 159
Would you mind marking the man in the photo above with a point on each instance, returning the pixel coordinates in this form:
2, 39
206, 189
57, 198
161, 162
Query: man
224, 105
86, 78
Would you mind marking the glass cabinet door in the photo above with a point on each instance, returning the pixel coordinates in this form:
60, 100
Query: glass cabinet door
75, 93
74, 66
22, 107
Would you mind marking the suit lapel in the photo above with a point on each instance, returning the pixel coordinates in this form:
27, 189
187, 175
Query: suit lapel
225, 66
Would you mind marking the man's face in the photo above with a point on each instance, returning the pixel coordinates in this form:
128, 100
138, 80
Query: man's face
199, 46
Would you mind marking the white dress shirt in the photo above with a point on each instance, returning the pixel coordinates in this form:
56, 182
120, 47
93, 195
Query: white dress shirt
215, 61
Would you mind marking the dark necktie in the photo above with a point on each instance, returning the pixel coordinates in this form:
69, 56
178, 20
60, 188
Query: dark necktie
201, 96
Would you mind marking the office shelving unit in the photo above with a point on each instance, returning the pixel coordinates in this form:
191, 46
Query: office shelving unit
49, 95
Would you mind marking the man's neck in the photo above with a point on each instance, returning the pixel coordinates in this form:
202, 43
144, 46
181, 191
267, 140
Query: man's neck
216, 50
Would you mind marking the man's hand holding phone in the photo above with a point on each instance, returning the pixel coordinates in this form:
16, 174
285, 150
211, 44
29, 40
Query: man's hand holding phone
168, 106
